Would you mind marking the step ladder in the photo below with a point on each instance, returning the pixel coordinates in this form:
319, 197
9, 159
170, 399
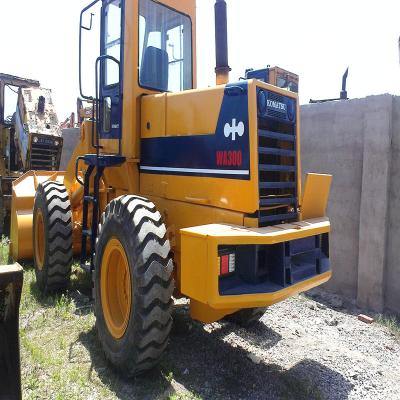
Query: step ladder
96, 163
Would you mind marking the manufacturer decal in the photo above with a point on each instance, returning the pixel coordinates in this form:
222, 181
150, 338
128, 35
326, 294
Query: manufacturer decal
47, 142
276, 105
234, 129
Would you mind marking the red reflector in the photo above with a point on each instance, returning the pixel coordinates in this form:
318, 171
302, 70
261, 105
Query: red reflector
225, 264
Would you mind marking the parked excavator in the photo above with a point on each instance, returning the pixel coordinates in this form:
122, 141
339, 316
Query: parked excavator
84, 111
30, 138
275, 76
174, 190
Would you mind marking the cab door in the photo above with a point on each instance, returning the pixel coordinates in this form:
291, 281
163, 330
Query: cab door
110, 66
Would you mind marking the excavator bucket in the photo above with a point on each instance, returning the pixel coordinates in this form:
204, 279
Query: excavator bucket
23, 197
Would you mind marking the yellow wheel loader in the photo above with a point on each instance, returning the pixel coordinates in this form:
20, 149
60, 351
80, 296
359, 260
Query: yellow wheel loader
30, 138
174, 190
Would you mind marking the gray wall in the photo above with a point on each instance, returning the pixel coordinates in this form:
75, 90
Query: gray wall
71, 137
358, 142
392, 284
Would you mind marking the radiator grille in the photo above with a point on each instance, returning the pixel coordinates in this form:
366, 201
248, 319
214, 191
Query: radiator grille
278, 192
46, 158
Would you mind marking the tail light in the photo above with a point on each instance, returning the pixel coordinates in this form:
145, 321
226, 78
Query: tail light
227, 263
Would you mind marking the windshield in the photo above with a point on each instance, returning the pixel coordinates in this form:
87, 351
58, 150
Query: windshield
285, 81
165, 48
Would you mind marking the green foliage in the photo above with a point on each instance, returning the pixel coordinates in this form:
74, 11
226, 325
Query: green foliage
4, 250
169, 377
64, 307
188, 396
391, 322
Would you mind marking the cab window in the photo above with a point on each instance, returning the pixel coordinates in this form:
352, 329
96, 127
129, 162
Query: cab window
10, 104
165, 48
112, 40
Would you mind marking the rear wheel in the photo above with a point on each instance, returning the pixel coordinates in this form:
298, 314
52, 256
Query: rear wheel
133, 285
246, 317
52, 236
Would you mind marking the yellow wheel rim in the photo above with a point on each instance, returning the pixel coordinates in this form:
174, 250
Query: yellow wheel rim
39, 240
115, 287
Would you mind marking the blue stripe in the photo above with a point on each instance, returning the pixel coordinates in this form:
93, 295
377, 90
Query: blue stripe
206, 154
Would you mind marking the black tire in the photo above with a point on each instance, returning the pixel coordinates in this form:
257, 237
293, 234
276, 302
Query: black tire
52, 202
138, 226
247, 316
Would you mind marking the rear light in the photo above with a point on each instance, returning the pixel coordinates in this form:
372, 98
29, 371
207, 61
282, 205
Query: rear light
227, 264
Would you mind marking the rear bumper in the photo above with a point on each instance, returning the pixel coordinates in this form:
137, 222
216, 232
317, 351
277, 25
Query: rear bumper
289, 264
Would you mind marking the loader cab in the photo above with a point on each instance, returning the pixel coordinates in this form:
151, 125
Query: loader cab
8, 101
164, 56
8, 104
146, 47
9, 88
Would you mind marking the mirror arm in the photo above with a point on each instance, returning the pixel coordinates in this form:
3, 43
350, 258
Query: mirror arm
82, 27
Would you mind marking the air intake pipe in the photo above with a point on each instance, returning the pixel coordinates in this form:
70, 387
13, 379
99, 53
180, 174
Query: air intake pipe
221, 43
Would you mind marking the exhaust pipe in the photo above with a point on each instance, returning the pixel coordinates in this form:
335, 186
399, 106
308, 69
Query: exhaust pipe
343, 93
221, 43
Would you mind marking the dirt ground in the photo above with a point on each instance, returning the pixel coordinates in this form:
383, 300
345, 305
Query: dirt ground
309, 347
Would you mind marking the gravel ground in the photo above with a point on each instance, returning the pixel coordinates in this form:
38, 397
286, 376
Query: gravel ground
308, 347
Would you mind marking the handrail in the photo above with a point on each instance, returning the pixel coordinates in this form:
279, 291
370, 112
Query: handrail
76, 170
99, 60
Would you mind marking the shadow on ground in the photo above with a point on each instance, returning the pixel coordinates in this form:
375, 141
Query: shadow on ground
210, 367
333, 301
79, 290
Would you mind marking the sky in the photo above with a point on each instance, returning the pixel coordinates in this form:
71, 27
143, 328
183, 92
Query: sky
317, 39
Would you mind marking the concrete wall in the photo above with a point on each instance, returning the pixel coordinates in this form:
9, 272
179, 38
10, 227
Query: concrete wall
392, 284
358, 142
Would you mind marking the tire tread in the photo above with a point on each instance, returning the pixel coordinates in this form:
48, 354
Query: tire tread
59, 233
153, 278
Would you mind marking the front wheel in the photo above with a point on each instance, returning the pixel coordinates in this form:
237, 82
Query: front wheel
52, 236
133, 285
